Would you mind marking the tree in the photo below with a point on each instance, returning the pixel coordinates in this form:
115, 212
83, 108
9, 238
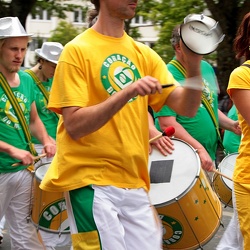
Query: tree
230, 14
18, 8
166, 14
64, 32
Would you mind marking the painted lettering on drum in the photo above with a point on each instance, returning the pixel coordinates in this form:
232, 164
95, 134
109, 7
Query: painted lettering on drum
50, 214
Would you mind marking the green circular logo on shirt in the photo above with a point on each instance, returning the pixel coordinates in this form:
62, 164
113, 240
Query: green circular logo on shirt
118, 72
8, 113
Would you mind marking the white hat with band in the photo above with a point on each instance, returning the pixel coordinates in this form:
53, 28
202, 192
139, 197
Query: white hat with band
11, 27
50, 51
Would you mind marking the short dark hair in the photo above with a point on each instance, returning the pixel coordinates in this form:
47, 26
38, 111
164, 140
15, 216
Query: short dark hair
96, 3
175, 38
92, 16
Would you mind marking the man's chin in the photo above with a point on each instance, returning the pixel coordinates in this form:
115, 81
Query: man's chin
14, 69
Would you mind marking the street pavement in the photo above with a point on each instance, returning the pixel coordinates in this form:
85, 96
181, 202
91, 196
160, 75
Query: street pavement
211, 245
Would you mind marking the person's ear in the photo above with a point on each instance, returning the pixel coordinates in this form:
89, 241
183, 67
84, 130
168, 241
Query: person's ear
177, 47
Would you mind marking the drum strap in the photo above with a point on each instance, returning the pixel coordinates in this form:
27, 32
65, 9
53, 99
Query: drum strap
39, 85
7, 89
204, 101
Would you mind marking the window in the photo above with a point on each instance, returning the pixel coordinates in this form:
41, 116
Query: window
138, 20
79, 16
41, 14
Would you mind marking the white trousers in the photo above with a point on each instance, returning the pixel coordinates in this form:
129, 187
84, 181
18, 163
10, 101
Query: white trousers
124, 218
15, 197
2, 224
232, 238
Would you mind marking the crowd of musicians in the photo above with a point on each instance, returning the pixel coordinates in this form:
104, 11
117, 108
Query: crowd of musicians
87, 110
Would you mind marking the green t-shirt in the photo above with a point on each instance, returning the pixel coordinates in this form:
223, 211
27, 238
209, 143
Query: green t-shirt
49, 118
11, 131
231, 141
201, 126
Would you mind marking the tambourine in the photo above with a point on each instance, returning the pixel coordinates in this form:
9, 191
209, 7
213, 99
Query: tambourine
201, 34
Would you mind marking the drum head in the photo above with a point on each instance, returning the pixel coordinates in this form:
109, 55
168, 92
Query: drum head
201, 34
198, 38
41, 171
172, 176
226, 167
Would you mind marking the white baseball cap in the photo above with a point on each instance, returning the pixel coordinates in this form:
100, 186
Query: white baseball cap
11, 27
50, 51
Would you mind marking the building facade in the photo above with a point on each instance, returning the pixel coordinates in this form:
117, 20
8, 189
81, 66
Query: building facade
42, 24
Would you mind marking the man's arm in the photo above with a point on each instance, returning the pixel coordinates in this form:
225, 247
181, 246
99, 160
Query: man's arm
38, 130
181, 133
24, 156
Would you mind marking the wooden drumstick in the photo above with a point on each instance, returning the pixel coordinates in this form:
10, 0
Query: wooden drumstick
219, 173
169, 131
167, 85
35, 158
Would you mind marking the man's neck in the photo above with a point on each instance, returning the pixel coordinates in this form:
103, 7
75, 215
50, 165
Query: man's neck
11, 77
109, 27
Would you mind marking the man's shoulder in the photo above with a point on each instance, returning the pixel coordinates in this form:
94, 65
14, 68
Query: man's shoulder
24, 76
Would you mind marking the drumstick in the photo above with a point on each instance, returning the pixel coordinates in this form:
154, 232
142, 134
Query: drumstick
218, 172
35, 158
167, 85
169, 131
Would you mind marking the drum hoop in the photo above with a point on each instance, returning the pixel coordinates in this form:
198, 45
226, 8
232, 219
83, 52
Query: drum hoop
42, 165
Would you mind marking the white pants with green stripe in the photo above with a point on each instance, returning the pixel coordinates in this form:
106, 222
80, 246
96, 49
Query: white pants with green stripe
108, 218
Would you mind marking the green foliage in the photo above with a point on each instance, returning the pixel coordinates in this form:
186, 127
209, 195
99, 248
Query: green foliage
167, 14
57, 7
64, 32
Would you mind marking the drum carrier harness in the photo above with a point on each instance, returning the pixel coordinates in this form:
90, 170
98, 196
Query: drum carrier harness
204, 101
7, 89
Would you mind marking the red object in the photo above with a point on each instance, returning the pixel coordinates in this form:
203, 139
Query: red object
169, 131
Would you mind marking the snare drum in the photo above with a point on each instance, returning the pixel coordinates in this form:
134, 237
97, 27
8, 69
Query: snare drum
221, 185
49, 208
188, 207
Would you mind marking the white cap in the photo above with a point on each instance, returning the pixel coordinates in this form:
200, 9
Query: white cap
11, 27
50, 51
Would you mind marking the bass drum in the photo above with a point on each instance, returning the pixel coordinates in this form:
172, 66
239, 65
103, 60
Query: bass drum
188, 207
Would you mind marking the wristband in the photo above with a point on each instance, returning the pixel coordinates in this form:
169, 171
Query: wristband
193, 83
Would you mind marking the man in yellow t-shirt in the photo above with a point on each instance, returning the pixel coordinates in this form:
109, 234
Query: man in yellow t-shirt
103, 85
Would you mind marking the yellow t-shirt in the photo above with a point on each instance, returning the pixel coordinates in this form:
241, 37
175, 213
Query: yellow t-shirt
240, 79
91, 68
